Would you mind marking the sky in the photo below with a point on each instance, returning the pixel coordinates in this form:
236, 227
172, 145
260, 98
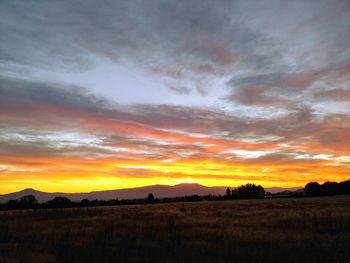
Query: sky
98, 95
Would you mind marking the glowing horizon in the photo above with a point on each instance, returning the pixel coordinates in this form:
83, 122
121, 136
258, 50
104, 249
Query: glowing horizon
128, 94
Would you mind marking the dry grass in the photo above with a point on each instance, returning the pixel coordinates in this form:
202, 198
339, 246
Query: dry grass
278, 230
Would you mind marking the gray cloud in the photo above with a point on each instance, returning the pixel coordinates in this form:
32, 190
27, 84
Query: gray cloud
51, 94
264, 41
63, 32
193, 34
289, 56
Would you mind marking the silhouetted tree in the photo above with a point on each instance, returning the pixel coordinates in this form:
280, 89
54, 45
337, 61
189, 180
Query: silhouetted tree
150, 198
60, 201
193, 198
312, 189
345, 187
328, 188
228, 193
11, 204
234, 194
85, 202
28, 201
250, 191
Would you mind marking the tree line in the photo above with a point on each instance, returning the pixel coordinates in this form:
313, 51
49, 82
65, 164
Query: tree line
247, 191
327, 188
30, 202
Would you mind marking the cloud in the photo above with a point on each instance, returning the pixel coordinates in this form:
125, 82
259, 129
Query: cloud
292, 89
334, 94
66, 110
194, 36
16, 92
241, 89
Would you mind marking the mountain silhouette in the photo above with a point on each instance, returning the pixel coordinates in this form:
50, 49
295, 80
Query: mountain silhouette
159, 191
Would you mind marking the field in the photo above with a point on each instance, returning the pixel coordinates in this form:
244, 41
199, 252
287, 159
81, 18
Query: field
273, 230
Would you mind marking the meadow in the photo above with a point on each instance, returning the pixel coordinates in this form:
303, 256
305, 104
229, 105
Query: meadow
269, 230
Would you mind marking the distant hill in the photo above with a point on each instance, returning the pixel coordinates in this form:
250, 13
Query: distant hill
297, 192
159, 191
281, 189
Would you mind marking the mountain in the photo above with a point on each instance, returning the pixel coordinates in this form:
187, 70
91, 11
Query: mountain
290, 192
281, 189
159, 191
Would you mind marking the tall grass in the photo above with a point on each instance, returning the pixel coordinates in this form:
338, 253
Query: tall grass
282, 230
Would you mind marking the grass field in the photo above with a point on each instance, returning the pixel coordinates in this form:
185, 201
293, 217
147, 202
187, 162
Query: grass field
274, 230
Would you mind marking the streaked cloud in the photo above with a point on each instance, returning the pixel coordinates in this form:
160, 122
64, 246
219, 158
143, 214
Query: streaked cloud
128, 93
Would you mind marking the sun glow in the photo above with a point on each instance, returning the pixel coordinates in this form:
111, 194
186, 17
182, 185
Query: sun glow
81, 175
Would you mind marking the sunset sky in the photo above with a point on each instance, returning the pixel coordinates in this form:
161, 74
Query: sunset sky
99, 95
